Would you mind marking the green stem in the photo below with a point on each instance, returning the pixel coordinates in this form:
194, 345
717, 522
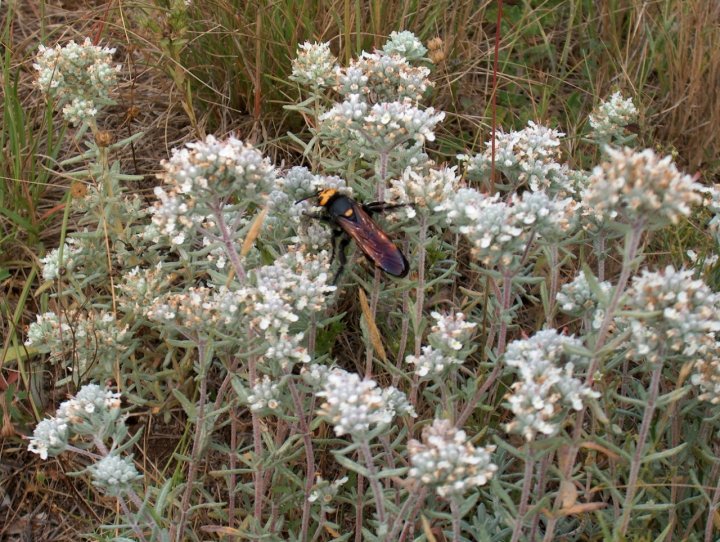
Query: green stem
639, 449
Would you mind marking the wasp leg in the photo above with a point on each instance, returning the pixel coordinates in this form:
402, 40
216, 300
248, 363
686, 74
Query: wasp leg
380, 207
336, 234
342, 256
318, 216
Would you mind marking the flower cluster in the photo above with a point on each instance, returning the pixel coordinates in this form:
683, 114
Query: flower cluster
90, 401
577, 298
380, 128
91, 406
706, 375
424, 189
324, 492
82, 257
191, 311
546, 386
114, 473
609, 119
265, 395
529, 156
314, 66
202, 177
138, 288
550, 219
677, 315
500, 231
50, 437
298, 183
711, 200
382, 77
84, 341
295, 286
446, 461
639, 187
80, 77
53, 267
405, 44
449, 339
355, 406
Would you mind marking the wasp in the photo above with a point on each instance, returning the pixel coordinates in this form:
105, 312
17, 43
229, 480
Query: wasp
352, 221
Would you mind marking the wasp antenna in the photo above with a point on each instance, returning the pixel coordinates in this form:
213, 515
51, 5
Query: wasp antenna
316, 194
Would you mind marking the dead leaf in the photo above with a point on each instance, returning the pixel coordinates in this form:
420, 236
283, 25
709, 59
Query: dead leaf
582, 508
427, 528
568, 494
598, 448
253, 232
375, 338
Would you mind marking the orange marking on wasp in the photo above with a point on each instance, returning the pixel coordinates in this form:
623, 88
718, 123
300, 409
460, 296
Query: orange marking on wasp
325, 195
348, 213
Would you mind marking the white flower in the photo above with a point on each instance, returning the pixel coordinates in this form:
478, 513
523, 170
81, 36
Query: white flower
50, 436
500, 231
314, 65
432, 363
380, 128
114, 474
382, 77
79, 77
639, 187
91, 400
425, 189
609, 119
546, 384
577, 298
406, 44
530, 156
355, 406
265, 395
325, 492
451, 330
446, 461
677, 314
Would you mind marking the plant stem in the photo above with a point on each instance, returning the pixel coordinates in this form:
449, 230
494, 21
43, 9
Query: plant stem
415, 511
229, 242
713, 509
419, 302
490, 380
639, 449
601, 256
632, 243
455, 511
420, 290
259, 474
525, 494
540, 491
197, 446
133, 524
374, 484
309, 458
554, 280
398, 522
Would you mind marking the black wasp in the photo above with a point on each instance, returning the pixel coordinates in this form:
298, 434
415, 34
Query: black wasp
351, 220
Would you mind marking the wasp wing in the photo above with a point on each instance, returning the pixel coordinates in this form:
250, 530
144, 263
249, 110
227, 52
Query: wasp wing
374, 242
